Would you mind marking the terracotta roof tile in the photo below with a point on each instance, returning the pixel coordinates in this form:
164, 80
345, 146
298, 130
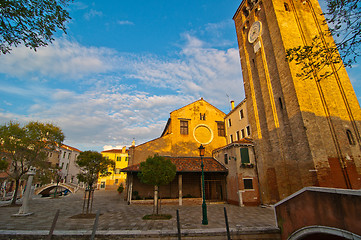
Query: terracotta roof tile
188, 164
70, 148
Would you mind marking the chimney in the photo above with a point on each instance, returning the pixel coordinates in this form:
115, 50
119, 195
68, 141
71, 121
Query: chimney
124, 149
232, 104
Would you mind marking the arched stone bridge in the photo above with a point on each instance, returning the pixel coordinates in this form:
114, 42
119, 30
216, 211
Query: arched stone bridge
47, 188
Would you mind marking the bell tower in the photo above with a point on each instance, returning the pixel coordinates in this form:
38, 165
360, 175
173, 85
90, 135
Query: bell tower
306, 130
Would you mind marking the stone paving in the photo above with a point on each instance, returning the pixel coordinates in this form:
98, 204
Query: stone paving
117, 215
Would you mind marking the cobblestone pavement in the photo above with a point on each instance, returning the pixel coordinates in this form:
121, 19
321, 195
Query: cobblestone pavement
117, 215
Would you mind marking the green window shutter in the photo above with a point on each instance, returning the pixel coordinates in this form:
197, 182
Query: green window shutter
244, 155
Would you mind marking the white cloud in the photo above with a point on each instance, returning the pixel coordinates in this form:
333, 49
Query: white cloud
125, 22
92, 13
117, 102
109, 147
61, 59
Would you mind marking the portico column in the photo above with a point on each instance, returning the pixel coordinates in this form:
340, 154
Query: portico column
180, 185
130, 190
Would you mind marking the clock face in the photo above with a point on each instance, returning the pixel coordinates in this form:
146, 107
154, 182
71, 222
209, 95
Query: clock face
254, 32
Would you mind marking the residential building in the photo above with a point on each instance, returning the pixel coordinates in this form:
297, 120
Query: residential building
120, 157
53, 158
187, 128
239, 159
68, 169
306, 131
242, 180
237, 125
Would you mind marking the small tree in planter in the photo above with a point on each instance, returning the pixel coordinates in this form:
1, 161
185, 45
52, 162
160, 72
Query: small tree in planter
120, 188
92, 164
157, 171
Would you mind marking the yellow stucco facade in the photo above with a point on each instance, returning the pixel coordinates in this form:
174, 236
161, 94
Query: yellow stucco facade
120, 157
187, 128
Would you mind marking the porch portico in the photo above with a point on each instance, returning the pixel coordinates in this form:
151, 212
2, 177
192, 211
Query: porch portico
186, 184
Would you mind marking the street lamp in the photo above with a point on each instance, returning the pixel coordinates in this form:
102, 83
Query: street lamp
204, 205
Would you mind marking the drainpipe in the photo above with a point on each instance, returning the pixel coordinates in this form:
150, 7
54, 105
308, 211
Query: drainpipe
256, 166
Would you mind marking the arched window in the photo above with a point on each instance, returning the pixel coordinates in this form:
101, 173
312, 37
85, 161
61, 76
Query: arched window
350, 138
280, 101
287, 8
245, 11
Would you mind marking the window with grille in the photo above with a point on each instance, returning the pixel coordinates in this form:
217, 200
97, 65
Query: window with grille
248, 183
184, 127
221, 129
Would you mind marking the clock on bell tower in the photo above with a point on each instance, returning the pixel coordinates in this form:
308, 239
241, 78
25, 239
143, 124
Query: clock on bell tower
306, 131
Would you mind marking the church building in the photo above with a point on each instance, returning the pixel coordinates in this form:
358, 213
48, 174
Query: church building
186, 129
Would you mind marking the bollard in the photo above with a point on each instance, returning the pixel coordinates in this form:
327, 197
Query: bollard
178, 226
53, 224
227, 226
95, 226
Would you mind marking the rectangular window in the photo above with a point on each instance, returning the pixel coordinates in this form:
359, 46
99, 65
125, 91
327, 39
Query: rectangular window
116, 181
102, 185
241, 116
126, 159
248, 129
244, 155
184, 127
221, 129
67, 166
226, 158
64, 154
202, 116
248, 183
229, 122
231, 138
69, 155
117, 171
237, 135
242, 133
119, 159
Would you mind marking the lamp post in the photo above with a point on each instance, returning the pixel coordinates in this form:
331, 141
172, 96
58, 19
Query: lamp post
204, 205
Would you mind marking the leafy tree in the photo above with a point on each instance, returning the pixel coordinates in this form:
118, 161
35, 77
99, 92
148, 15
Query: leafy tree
31, 22
344, 20
157, 171
92, 164
344, 17
27, 146
46, 175
3, 164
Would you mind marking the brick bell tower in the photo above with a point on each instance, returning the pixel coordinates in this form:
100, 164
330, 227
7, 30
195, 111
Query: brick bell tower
306, 131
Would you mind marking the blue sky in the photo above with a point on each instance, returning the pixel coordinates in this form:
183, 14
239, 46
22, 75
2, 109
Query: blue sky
123, 67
